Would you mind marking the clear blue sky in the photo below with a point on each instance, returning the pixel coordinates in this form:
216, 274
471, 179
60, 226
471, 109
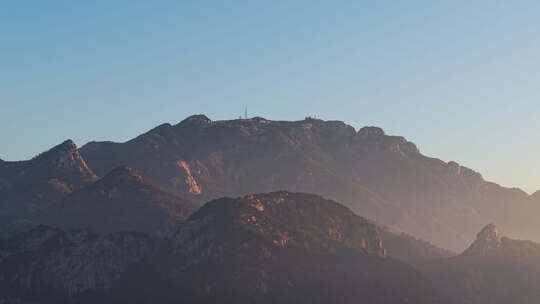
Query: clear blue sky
459, 78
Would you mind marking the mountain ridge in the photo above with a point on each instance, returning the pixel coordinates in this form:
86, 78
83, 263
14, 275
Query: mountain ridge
382, 177
265, 248
122, 200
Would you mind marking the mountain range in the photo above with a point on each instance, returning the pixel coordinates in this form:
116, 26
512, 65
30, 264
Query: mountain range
267, 248
253, 210
381, 177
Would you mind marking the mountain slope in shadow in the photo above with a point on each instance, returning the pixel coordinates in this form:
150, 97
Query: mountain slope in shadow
277, 247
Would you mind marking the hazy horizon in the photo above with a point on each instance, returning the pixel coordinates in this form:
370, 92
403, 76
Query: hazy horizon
458, 79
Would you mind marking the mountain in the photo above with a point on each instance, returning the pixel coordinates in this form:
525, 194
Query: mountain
266, 248
381, 177
494, 269
29, 186
287, 247
123, 200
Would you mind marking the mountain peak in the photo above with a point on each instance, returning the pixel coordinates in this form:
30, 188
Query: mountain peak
488, 239
260, 120
66, 146
371, 132
490, 231
66, 158
123, 173
197, 119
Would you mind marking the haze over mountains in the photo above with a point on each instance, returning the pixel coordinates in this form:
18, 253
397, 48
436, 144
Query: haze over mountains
233, 212
382, 177
120, 201
494, 269
278, 247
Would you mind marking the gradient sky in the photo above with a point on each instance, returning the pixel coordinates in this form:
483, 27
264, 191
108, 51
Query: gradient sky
459, 78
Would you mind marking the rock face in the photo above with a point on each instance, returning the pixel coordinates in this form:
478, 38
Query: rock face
29, 186
49, 265
123, 200
381, 177
492, 270
270, 248
487, 240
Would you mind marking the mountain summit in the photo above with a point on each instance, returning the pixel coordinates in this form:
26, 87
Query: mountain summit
29, 186
487, 239
64, 159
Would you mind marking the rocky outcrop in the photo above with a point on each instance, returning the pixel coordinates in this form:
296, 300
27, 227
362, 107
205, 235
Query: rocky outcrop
370, 132
197, 120
189, 181
487, 240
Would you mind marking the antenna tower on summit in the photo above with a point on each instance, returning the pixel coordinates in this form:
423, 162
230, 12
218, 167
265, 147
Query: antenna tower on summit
245, 113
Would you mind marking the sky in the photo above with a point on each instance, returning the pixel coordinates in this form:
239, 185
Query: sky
458, 78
